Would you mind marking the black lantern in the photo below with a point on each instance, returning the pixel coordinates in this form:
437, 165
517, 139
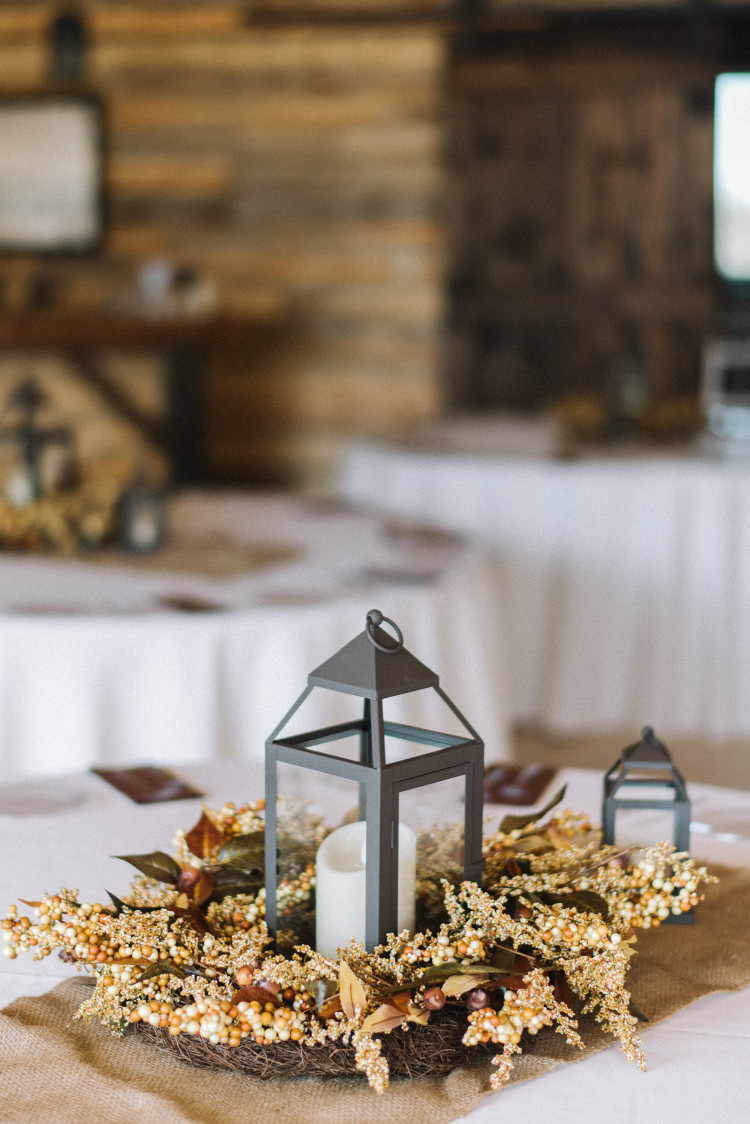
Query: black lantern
366, 862
143, 516
38, 458
647, 765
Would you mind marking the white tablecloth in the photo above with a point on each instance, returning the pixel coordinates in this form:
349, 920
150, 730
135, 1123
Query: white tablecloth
95, 670
697, 1059
626, 584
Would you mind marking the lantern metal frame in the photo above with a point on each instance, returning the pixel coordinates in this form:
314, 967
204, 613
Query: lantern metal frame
371, 675
648, 756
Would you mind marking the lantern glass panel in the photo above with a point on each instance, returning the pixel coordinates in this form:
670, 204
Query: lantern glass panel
648, 789
435, 813
426, 709
346, 747
636, 827
305, 793
309, 803
324, 708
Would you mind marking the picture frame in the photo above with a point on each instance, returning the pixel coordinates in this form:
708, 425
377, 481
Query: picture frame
51, 174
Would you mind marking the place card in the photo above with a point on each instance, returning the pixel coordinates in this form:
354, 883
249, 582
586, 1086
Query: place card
516, 784
147, 784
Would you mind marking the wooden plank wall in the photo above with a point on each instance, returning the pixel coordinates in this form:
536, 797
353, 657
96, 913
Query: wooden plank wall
581, 216
298, 168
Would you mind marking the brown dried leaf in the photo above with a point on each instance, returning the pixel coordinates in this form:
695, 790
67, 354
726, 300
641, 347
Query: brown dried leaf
418, 1015
204, 838
251, 993
351, 990
384, 1019
458, 985
513, 822
201, 890
163, 968
528, 844
401, 1000
194, 918
331, 1007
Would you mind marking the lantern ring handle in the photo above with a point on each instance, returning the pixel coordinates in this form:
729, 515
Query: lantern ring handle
374, 618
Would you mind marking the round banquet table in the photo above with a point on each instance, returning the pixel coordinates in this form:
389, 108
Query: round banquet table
110, 661
697, 1059
625, 581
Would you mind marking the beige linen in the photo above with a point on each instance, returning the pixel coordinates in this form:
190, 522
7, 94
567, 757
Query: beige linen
208, 556
52, 1070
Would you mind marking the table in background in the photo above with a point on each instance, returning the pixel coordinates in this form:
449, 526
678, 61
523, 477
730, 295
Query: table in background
95, 668
625, 582
697, 1059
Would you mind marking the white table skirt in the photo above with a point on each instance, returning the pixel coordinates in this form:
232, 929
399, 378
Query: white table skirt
697, 1059
625, 584
114, 677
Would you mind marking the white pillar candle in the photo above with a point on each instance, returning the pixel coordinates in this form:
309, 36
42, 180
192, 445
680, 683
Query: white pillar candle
340, 893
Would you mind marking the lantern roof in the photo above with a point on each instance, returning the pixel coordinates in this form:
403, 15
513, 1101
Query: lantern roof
647, 754
374, 666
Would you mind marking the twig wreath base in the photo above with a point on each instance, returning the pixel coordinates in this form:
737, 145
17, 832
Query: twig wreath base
434, 1050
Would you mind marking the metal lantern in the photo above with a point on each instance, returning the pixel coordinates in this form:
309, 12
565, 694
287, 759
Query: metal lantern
42, 457
143, 516
375, 666
643, 765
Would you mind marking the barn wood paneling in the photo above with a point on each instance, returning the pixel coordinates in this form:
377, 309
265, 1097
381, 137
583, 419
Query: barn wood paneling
299, 168
580, 202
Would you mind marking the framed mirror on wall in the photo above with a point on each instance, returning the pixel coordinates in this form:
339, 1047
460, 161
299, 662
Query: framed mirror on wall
51, 174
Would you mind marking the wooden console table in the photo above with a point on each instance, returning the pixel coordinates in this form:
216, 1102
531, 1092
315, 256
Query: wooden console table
187, 346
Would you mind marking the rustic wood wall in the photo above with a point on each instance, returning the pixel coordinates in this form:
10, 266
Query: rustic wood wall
303, 170
298, 168
581, 212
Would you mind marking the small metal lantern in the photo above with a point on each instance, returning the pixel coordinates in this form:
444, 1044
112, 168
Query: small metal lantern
42, 457
375, 666
645, 764
143, 516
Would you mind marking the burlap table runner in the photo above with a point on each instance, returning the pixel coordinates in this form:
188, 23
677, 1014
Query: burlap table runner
196, 555
55, 1071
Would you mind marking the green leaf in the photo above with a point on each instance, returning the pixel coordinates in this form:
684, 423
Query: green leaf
230, 881
246, 852
156, 865
163, 968
512, 823
503, 959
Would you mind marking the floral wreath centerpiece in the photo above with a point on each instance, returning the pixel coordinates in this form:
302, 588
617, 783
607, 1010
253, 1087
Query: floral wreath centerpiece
224, 957
52, 502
